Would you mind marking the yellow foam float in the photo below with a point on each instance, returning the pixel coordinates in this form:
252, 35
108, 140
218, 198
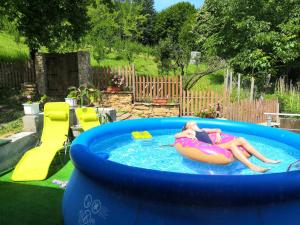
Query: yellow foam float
141, 135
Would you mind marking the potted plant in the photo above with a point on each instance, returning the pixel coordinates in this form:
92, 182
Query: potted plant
207, 113
160, 101
30, 107
72, 96
94, 95
85, 95
116, 84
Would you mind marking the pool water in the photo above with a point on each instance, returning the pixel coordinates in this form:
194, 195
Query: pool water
156, 154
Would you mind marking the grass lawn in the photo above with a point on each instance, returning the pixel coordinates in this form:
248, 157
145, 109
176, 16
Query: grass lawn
11, 112
10, 49
214, 82
30, 203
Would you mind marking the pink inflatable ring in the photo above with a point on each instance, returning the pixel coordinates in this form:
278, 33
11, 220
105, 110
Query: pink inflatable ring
207, 153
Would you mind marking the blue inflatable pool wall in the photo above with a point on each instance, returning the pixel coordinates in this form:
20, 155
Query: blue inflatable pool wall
104, 192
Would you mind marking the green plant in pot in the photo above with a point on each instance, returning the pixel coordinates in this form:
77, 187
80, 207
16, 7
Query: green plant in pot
72, 96
88, 95
94, 96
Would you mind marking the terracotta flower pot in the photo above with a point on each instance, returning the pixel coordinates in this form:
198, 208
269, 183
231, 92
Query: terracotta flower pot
160, 101
111, 89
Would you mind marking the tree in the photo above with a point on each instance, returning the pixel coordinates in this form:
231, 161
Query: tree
163, 57
104, 26
147, 28
129, 17
186, 43
48, 23
257, 38
99, 51
169, 22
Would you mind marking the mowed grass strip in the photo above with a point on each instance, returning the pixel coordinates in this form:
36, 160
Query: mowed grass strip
35, 202
10, 49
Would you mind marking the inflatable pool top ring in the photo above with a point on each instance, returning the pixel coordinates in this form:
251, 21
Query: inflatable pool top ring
207, 153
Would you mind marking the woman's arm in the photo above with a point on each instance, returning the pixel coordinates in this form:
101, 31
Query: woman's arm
184, 134
212, 130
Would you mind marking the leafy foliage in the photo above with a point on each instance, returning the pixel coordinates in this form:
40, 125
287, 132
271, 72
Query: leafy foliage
146, 28
129, 17
257, 39
170, 21
104, 27
49, 23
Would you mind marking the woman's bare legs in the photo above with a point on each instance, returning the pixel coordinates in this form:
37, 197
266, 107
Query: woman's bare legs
237, 153
245, 144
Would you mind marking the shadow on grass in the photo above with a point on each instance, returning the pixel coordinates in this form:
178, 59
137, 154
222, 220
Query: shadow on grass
59, 161
29, 204
35, 202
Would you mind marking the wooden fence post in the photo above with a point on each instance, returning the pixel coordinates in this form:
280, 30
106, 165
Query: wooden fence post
132, 74
239, 86
226, 80
230, 81
252, 89
180, 96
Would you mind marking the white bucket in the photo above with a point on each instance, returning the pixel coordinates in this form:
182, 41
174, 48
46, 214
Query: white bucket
71, 101
31, 108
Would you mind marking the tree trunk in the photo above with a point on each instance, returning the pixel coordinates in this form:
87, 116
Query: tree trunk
182, 70
32, 54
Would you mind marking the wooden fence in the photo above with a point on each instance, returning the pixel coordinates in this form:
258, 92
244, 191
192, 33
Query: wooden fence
197, 102
149, 88
194, 102
102, 76
14, 73
251, 111
145, 88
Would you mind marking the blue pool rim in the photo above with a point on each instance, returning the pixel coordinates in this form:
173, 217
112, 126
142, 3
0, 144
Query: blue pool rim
216, 189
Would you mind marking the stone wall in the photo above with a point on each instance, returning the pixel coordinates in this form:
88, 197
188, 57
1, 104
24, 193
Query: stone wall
40, 73
123, 102
84, 67
56, 72
146, 110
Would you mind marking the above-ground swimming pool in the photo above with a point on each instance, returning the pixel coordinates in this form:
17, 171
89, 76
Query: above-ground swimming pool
118, 180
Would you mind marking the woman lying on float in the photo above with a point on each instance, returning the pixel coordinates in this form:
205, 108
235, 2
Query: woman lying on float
212, 146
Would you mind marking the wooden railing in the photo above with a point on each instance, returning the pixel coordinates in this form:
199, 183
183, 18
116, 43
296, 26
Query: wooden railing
149, 88
15, 73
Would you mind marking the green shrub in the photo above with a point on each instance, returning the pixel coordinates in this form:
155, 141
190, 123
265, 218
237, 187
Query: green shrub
289, 102
288, 96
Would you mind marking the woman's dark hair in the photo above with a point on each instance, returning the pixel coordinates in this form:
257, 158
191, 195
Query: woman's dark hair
184, 127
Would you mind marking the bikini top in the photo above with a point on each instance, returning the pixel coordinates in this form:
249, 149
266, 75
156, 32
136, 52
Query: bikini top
201, 136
